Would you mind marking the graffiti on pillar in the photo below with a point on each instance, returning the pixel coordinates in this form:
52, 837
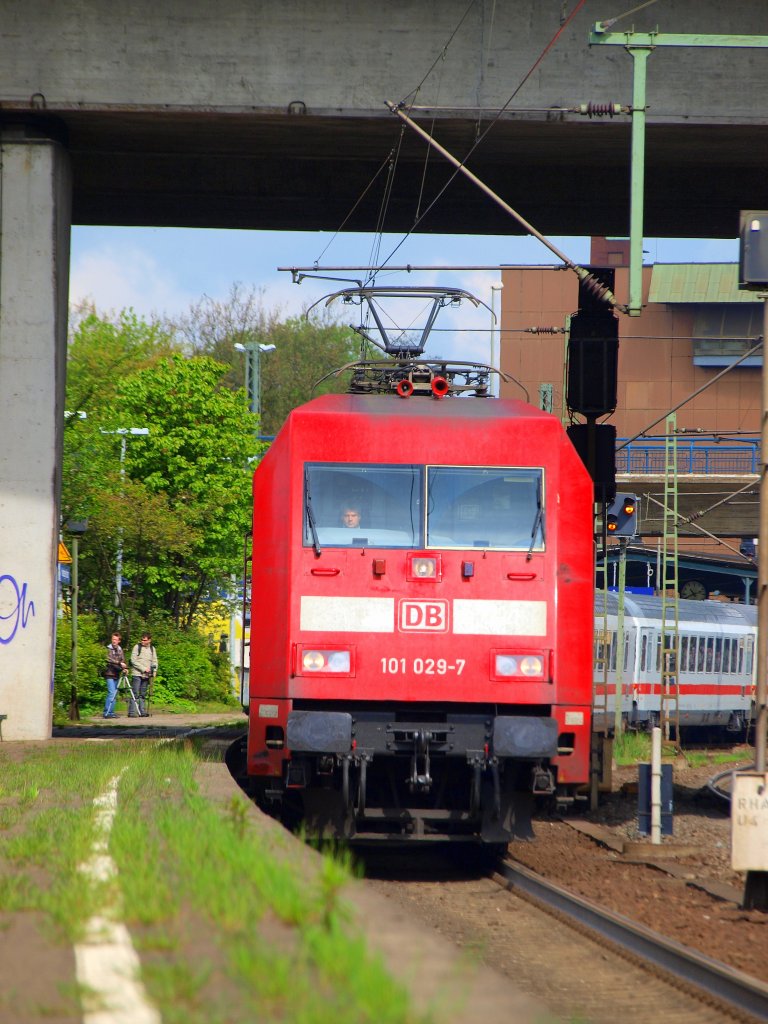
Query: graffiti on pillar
15, 607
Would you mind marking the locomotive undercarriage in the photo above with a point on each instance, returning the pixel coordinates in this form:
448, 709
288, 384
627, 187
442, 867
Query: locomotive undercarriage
369, 775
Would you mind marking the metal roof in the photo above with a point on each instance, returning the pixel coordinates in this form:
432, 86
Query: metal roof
697, 282
703, 613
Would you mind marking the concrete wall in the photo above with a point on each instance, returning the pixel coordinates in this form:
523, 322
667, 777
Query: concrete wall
342, 56
34, 233
272, 114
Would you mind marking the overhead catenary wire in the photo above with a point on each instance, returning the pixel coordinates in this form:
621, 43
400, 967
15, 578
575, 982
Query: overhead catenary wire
385, 162
398, 107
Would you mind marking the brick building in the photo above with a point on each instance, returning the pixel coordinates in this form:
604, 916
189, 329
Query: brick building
695, 322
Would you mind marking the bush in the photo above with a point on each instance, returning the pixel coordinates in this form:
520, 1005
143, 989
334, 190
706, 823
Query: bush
91, 661
191, 671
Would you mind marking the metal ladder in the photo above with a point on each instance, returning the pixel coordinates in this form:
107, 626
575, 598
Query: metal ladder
601, 751
669, 661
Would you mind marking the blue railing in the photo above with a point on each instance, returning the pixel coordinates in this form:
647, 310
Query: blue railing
647, 457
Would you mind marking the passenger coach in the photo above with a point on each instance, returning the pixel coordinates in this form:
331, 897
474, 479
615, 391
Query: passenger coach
716, 669
422, 617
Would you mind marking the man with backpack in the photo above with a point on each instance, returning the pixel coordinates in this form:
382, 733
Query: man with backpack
143, 670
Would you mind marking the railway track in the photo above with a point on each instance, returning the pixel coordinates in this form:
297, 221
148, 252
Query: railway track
716, 984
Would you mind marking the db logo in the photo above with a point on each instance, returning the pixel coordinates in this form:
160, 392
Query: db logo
429, 616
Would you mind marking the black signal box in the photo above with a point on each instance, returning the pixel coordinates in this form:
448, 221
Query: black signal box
753, 250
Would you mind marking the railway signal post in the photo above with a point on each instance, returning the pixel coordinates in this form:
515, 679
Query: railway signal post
749, 810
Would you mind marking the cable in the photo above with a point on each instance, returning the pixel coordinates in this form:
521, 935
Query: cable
441, 55
359, 199
477, 141
612, 21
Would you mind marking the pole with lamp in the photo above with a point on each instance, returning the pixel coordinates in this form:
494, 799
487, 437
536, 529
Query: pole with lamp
75, 527
749, 807
252, 351
124, 433
495, 290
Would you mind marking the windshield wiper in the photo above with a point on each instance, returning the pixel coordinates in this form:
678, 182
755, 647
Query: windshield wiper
310, 513
538, 521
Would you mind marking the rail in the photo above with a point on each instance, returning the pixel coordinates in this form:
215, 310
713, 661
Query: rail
718, 981
647, 458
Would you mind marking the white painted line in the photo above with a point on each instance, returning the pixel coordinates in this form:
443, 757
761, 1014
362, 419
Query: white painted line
107, 965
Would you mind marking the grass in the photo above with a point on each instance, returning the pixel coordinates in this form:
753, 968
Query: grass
635, 747
696, 758
227, 928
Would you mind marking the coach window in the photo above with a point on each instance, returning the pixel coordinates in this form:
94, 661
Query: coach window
472, 507
718, 653
710, 653
614, 645
683, 653
735, 655
643, 652
700, 659
726, 654
387, 501
748, 655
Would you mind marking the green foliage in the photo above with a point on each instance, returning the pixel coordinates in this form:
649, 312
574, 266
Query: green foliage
191, 670
102, 351
91, 661
197, 455
306, 350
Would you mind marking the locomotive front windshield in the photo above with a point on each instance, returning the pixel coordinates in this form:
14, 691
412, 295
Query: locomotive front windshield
412, 506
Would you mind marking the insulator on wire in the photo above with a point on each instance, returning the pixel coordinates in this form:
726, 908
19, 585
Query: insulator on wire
595, 287
599, 109
544, 330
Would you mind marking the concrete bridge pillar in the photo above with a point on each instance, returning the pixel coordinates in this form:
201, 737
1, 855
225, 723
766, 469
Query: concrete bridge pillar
35, 220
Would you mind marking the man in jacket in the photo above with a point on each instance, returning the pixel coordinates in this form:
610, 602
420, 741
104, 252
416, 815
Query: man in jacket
143, 670
115, 666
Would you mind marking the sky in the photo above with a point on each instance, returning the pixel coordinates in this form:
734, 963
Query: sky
163, 271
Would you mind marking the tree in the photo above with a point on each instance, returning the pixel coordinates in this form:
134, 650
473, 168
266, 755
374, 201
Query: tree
197, 459
102, 351
306, 349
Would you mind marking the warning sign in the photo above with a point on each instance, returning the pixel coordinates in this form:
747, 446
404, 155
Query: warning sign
64, 555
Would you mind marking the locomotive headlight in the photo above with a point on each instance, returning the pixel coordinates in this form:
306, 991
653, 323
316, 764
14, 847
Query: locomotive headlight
532, 665
338, 661
506, 665
519, 666
326, 661
424, 568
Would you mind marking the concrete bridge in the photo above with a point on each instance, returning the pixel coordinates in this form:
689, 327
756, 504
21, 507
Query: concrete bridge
272, 115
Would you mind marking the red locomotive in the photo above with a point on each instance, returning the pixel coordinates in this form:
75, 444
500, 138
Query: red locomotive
422, 614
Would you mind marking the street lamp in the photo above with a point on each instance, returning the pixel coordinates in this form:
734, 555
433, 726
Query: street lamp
77, 528
124, 432
253, 350
495, 289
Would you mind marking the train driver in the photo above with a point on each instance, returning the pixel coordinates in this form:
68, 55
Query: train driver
350, 516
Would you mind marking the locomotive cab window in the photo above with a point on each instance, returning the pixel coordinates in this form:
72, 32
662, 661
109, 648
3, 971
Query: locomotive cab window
479, 507
384, 506
363, 505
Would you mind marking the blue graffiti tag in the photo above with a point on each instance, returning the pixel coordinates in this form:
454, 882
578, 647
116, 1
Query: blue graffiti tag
20, 608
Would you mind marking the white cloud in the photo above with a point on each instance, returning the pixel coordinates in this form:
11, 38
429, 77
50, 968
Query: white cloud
118, 277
